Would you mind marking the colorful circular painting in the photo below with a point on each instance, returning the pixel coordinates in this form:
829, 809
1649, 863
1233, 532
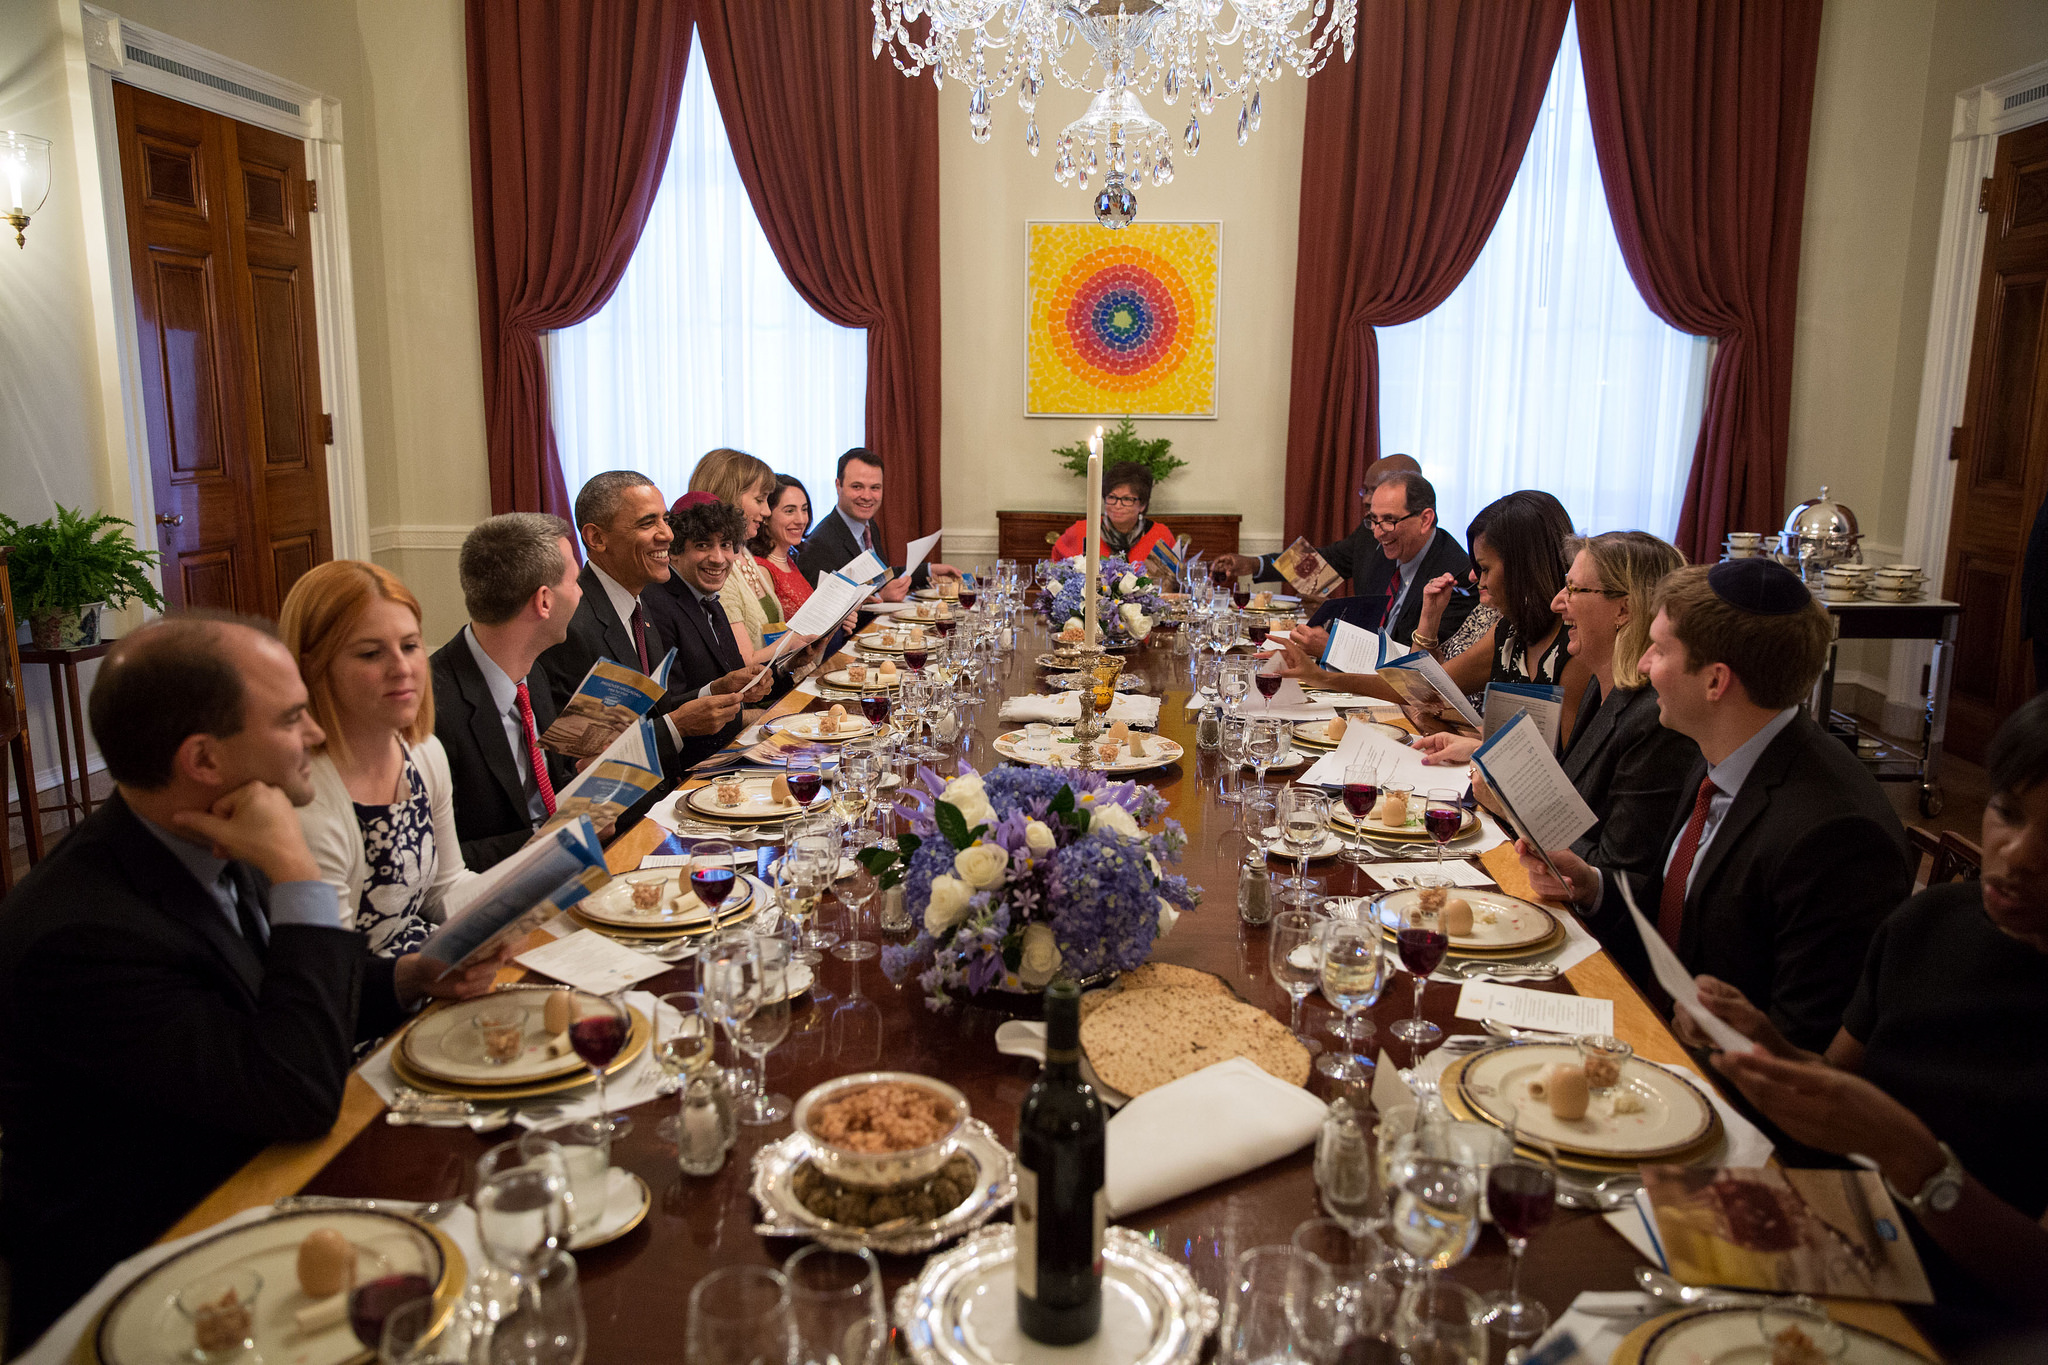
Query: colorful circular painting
1125, 323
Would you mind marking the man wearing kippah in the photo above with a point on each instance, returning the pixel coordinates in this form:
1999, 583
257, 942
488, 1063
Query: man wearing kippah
1788, 855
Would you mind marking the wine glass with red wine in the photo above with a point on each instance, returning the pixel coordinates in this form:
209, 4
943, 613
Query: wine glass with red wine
372, 1301
1419, 934
1269, 686
1241, 594
1521, 1193
1257, 630
1442, 816
804, 778
915, 658
1361, 794
711, 874
968, 594
875, 706
598, 1027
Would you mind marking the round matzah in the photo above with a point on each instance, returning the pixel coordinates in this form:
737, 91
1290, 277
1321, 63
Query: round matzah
1152, 976
1142, 1039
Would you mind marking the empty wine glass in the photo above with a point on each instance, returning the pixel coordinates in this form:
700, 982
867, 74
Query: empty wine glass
1292, 955
1361, 792
1280, 1306
1304, 816
1419, 933
814, 858
1237, 740
1266, 742
765, 1026
598, 1028
1438, 1322
857, 891
798, 899
1436, 1213
1521, 1194
740, 1315
1354, 972
1361, 1273
836, 1299
1234, 683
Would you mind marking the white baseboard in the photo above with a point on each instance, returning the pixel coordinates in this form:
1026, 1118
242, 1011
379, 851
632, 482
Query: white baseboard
417, 537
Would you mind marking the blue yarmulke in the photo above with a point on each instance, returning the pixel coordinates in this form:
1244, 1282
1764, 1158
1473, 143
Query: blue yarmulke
1762, 586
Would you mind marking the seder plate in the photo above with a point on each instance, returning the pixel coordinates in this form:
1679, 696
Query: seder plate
757, 802
444, 1044
872, 682
1674, 1118
498, 1087
783, 1214
961, 1310
1521, 927
142, 1324
1016, 745
804, 725
1734, 1336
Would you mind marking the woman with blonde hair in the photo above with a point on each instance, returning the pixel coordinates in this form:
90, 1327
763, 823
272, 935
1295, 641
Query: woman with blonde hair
382, 822
751, 605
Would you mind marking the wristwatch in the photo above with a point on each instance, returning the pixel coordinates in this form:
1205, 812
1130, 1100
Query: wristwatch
1942, 1191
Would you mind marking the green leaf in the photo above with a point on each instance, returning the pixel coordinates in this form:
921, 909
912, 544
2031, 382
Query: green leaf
1063, 801
876, 860
1078, 819
908, 844
74, 560
1013, 949
1121, 444
953, 825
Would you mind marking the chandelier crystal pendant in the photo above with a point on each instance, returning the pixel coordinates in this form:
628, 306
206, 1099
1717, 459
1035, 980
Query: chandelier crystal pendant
1124, 50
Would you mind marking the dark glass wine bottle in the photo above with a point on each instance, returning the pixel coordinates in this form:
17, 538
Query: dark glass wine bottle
1060, 1208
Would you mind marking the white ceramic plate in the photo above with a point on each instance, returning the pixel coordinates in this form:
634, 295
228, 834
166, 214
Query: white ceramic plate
1317, 732
626, 1202
1412, 830
1734, 1336
679, 908
446, 1046
804, 725
1517, 923
143, 1326
839, 677
1016, 745
1674, 1115
1330, 847
757, 801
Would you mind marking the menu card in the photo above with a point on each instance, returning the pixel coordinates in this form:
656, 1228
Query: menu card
1539, 800
608, 701
1519, 1007
1428, 695
1541, 702
591, 962
1677, 982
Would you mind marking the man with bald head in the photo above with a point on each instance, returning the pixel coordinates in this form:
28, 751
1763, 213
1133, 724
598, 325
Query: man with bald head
178, 988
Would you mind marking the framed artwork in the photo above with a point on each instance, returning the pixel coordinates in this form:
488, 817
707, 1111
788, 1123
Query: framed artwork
1121, 322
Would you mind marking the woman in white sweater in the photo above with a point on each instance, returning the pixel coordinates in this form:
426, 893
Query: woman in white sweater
382, 821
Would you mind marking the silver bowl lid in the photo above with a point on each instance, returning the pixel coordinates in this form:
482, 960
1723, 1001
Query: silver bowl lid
1822, 519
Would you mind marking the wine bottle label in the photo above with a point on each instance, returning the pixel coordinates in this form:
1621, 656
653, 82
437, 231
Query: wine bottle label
1025, 1215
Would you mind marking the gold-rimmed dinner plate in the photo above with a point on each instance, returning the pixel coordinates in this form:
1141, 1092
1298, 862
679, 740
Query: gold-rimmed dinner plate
141, 1325
1016, 746
444, 1043
757, 802
1315, 734
806, 725
636, 1043
627, 1200
1669, 1116
872, 682
678, 908
892, 641
1734, 1336
1704, 1150
1516, 925
1277, 602
1414, 829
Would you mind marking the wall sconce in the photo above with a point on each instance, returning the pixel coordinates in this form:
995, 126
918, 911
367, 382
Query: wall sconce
25, 163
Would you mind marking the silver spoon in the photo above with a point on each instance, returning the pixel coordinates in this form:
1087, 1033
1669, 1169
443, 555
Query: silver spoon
1502, 971
1653, 1281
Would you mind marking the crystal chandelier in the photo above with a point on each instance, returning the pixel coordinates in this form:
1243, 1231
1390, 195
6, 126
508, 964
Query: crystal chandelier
1128, 49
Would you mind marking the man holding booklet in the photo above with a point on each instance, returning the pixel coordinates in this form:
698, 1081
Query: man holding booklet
847, 532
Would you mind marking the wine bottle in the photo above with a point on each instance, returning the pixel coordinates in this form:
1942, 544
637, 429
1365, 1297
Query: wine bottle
1060, 1208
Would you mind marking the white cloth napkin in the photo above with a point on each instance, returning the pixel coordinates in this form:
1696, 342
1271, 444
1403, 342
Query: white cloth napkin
1064, 708
1218, 1122
1598, 1322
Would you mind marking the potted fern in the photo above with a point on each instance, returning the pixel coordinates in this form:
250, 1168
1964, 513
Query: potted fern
1120, 445
66, 569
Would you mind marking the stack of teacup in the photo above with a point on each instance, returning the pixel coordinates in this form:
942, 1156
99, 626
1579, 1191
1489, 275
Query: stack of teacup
1844, 582
1897, 583
1743, 545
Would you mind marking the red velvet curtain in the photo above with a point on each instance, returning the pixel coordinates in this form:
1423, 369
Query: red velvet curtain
571, 107
840, 155
1408, 155
1701, 110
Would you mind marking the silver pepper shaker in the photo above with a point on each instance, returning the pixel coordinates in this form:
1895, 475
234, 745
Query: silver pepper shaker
1254, 888
1209, 728
700, 1135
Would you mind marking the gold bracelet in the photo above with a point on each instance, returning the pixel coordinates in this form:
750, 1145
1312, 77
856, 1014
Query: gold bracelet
1421, 641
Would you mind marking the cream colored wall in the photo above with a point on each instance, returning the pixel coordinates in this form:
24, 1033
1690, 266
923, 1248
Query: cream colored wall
997, 458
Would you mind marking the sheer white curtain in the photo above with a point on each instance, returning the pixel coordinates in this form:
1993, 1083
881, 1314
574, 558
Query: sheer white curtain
705, 344
1545, 368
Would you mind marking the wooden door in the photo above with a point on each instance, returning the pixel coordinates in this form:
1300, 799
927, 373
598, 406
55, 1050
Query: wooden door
222, 260
2003, 448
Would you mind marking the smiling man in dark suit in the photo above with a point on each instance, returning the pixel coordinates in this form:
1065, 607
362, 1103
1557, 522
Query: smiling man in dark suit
520, 586
177, 989
841, 534
624, 524
1785, 855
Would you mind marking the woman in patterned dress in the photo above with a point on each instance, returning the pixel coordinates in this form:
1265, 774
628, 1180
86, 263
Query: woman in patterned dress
382, 822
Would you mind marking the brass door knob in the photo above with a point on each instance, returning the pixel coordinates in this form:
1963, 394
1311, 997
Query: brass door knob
166, 519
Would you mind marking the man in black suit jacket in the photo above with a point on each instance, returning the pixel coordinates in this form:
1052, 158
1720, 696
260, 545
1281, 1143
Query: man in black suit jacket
1412, 550
1357, 556
520, 585
624, 523
841, 534
176, 986
1784, 853
709, 534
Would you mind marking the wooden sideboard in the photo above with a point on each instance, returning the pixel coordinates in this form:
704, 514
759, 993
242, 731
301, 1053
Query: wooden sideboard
1028, 536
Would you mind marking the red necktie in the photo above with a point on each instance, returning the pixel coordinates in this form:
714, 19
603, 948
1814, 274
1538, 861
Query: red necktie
1671, 907
533, 753
640, 636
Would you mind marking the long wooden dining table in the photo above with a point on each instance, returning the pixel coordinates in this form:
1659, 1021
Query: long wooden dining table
636, 1289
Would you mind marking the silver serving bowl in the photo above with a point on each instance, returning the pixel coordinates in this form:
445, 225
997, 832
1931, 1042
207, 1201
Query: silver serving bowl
879, 1170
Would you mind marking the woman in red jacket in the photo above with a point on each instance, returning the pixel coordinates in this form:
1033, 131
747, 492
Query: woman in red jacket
1126, 530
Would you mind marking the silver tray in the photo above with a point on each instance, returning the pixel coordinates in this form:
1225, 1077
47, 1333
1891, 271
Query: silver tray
783, 1214
1072, 682
960, 1310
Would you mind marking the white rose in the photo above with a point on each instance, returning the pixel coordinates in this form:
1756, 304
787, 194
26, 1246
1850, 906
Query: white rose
1114, 817
1135, 620
1038, 837
1041, 956
1152, 863
1167, 917
982, 866
1128, 584
947, 906
968, 796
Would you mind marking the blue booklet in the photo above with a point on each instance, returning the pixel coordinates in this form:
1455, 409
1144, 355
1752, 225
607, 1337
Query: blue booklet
554, 871
607, 703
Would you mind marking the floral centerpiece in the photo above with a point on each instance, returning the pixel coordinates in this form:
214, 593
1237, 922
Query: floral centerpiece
1129, 597
1029, 874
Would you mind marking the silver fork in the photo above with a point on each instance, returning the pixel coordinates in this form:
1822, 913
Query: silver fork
431, 1212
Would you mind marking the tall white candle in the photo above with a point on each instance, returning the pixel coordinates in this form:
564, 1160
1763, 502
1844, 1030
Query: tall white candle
1089, 622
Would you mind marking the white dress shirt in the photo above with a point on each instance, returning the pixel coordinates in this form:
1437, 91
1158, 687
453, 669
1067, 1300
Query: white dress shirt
505, 699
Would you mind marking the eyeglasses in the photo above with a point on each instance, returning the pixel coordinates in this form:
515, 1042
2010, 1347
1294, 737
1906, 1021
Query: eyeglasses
1389, 523
1610, 593
1119, 500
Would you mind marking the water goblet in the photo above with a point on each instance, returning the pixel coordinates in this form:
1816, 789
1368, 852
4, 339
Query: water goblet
682, 1046
1237, 739
1436, 1213
1280, 1306
1268, 739
1438, 1322
1304, 815
740, 1315
1353, 973
1293, 955
836, 1300
1419, 933
857, 891
1361, 1274
765, 1026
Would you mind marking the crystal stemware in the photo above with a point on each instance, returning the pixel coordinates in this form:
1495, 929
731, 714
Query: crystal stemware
1354, 972
1419, 932
1293, 955
598, 1028
1304, 817
1521, 1195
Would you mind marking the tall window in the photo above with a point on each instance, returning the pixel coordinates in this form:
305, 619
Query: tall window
705, 344
1545, 368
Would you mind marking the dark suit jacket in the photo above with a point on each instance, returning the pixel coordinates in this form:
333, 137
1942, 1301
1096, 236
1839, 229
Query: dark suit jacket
1807, 862
490, 799
831, 547
1632, 772
596, 632
146, 1051
1381, 579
